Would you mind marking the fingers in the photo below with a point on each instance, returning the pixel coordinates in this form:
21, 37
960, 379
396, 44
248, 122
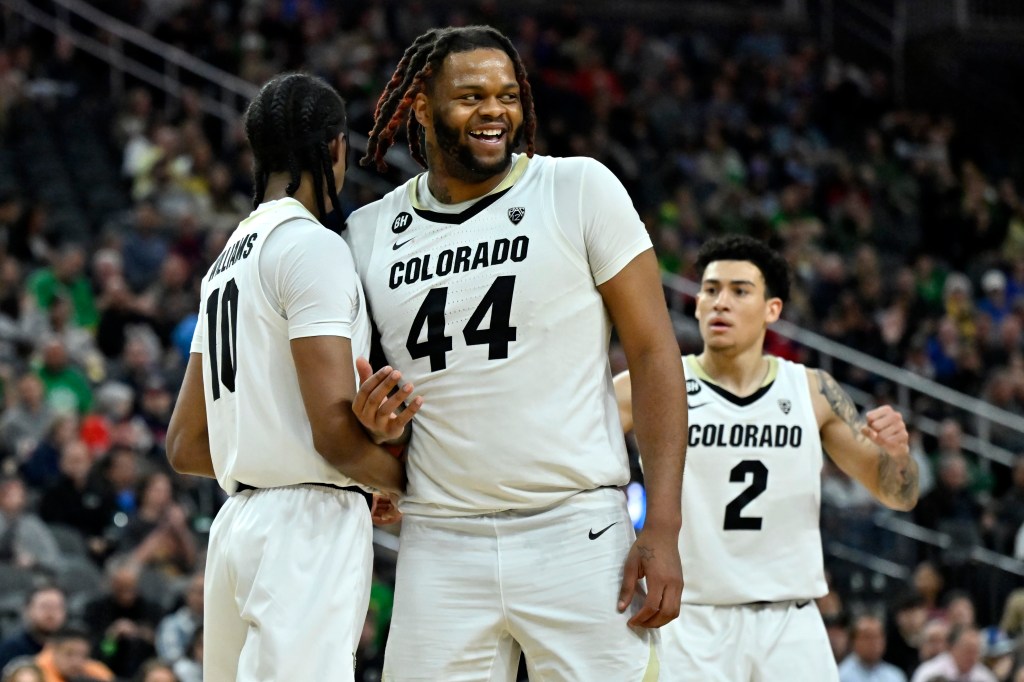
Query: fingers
630, 576
363, 368
661, 605
384, 512
886, 428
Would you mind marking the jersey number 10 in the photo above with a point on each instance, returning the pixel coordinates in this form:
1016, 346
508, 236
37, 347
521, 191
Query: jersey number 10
222, 367
496, 337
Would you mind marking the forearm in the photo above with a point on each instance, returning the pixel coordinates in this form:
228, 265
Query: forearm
898, 481
191, 455
349, 450
660, 426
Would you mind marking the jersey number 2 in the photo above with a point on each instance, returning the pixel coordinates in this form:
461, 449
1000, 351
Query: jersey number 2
496, 336
222, 367
733, 519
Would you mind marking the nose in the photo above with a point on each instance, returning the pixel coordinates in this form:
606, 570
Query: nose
492, 107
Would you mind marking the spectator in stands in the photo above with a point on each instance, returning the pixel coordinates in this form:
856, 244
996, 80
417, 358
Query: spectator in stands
22, 670
1009, 510
66, 278
837, 627
71, 501
44, 614
907, 618
158, 533
155, 671
26, 421
995, 302
116, 475
25, 541
122, 619
950, 505
865, 663
67, 388
934, 640
929, 583
962, 662
960, 609
65, 658
145, 247
175, 632
189, 668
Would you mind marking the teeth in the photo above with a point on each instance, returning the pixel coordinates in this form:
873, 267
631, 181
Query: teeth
488, 133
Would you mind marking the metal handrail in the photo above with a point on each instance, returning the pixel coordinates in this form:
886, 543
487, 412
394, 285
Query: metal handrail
867, 560
908, 529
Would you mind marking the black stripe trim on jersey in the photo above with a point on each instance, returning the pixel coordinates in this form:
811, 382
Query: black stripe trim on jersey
735, 399
463, 216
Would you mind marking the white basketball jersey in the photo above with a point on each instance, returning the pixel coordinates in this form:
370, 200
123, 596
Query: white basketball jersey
492, 312
259, 430
751, 492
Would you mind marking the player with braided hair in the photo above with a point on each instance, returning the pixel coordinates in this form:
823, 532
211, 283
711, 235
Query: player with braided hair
494, 279
266, 408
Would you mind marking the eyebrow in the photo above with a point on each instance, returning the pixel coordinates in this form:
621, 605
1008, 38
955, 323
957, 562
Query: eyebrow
731, 281
475, 86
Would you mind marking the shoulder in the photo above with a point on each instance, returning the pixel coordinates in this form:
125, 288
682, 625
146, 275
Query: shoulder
583, 167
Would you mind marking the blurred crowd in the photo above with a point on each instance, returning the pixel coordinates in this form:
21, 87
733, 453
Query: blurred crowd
906, 240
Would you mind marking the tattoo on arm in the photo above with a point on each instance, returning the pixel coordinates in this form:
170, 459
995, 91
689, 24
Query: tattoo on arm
840, 402
645, 552
898, 480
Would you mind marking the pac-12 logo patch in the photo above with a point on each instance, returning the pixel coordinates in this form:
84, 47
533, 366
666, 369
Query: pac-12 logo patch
516, 214
402, 222
785, 405
692, 387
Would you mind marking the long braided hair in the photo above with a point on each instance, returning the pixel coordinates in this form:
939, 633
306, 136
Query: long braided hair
289, 124
413, 75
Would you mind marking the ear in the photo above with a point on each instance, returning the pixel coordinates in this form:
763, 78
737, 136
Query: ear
338, 147
774, 310
421, 110
696, 307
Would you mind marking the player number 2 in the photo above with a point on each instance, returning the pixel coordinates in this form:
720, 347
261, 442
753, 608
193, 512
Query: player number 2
222, 367
734, 520
496, 336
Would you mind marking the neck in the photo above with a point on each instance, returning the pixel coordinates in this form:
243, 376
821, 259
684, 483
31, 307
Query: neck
448, 189
277, 185
740, 373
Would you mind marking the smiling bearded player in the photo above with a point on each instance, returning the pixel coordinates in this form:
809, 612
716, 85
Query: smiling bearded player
494, 280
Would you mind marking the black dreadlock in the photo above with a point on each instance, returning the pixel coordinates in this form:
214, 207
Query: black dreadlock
289, 124
413, 75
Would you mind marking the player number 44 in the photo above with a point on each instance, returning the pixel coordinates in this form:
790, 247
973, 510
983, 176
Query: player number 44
497, 336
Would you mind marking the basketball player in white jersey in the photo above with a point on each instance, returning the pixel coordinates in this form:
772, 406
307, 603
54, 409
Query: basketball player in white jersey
494, 280
750, 544
265, 408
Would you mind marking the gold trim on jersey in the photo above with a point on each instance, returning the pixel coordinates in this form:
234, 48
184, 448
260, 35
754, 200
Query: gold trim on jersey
515, 173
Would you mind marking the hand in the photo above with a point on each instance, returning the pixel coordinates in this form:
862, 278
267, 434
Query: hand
384, 511
654, 555
375, 410
886, 429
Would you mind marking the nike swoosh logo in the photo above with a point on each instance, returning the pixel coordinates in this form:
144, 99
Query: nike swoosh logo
694, 407
801, 604
594, 536
397, 245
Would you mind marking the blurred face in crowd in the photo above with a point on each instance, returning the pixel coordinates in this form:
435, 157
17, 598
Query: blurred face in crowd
75, 461
123, 470
868, 640
31, 390
45, 612
933, 639
12, 497
966, 651
124, 585
733, 307
70, 656
960, 611
927, 581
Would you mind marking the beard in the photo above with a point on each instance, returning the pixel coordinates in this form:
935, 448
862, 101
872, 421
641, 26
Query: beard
458, 159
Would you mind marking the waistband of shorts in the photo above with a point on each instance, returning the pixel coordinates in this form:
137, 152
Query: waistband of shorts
798, 603
242, 487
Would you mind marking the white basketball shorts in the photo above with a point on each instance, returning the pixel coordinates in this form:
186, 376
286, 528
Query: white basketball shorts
773, 642
472, 592
288, 577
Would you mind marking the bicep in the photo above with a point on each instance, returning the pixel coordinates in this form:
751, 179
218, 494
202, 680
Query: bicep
326, 375
636, 303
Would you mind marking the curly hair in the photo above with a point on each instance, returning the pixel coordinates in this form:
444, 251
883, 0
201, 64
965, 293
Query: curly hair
770, 262
414, 75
